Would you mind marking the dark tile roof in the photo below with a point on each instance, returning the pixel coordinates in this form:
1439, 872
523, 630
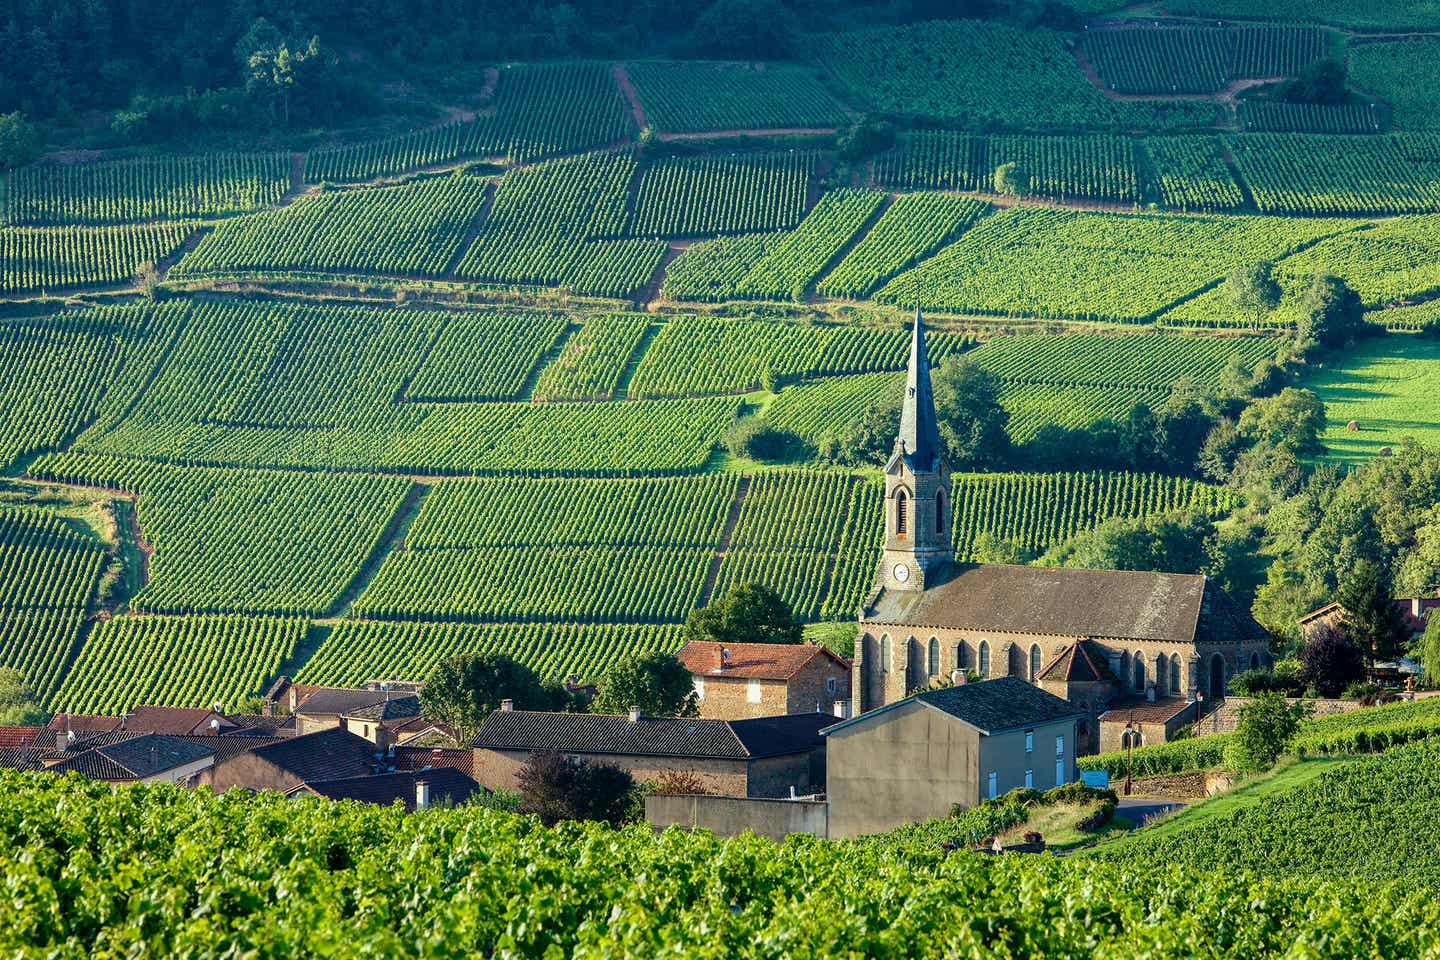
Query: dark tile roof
1072, 602
396, 708
84, 721
175, 721
753, 661
447, 785
83, 741
990, 706
340, 700
326, 755
1145, 711
257, 725
419, 757
136, 758
1078, 663
649, 736
230, 745
20, 758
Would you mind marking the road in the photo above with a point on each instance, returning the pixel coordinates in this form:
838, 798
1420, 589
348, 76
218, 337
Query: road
1140, 809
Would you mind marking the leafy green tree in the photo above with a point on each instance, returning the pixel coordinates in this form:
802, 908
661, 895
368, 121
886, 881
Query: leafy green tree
1170, 543
1264, 729
1251, 288
465, 689
1010, 180
1320, 82
19, 140
868, 439
19, 704
1426, 649
752, 437
746, 613
988, 548
656, 682
1330, 314
1374, 624
972, 421
1291, 421
553, 788
745, 30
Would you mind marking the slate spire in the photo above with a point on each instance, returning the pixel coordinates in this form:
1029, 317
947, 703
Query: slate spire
919, 438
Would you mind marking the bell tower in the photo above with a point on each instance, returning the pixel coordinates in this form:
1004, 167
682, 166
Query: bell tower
918, 509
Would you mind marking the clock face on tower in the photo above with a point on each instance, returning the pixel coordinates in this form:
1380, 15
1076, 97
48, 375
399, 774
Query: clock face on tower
901, 572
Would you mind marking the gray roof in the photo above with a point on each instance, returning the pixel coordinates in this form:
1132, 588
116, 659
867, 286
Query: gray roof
330, 700
990, 706
136, 758
919, 437
1070, 602
397, 707
537, 731
446, 785
327, 755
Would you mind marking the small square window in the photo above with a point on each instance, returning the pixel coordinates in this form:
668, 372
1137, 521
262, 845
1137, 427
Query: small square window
829, 684
752, 691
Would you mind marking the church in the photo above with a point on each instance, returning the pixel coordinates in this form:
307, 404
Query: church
1097, 638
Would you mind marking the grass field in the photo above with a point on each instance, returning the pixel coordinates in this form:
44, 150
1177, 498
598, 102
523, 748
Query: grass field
1390, 387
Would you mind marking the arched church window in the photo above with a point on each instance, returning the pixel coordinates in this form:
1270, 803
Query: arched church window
984, 669
1124, 667
902, 524
934, 660
1161, 665
940, 511
885, 653
1034, 660
1174, 673
1139, 670
962, 660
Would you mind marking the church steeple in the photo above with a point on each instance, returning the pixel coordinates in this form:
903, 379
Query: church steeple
919, 438
917, 483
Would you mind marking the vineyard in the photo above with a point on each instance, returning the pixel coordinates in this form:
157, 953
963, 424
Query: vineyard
590, 364
1293, 174
40, 259
911, 229
681, 97
1403, 73
721, 194
171, 188
176, 661
1183, 59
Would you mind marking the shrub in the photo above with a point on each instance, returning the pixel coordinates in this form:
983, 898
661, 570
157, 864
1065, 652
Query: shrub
1264, 730
755, 439
554, 789
1329, 662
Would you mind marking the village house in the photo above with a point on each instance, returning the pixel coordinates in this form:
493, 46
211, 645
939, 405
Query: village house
741, 680
758, 757
283, 764
914, 758
1414, 613
416, 789
1086, 635
327, 707
142, 758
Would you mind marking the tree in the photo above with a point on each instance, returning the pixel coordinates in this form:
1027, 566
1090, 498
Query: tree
752, 437
465, 689
745, 30
19, 704
19, 140
1010, 180
1321, 82
1329, 661
1373, 622
1291, 421
1426, 649
1330, 314
746, 613
1263, 730
1252, 290
656, 682
972, 421
868, 439
554, 788
1172, 544
147, 280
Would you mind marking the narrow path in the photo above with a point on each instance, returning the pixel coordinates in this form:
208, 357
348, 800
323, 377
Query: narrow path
297, 173
527, 390
391, 539
741, 489
632, 96
735, 132
673, 252
192, 240
1228, 158
1141, 810
622, 384
472, 232
850, 244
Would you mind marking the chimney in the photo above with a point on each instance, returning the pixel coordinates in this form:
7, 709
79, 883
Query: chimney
1417, 609
215, 725
724, 658
634, 713
422, 794
507, 705
957, 677
842, 709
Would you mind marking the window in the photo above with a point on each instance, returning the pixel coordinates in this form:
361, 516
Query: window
829, 684
934, 662
1124, 667
1034, 661
961, 660
1060, 746
994, 785
984, 659
939, 511
752, 691
1139, 670
885, 653
1161, 664
699, 688
1029, 741
1059, 772
1174, 673
901, 519
1254, 661
1029, 779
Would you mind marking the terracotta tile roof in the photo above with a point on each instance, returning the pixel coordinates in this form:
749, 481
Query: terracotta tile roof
11, 737
418, 758
1145, 711
136, 758
326, 755
753, 661
447, 785
1405, 606
1070, 602
1078, 663
175, 721
608, 734
990, 706
84, 721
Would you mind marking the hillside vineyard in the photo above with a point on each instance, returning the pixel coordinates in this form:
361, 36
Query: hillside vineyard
465, 378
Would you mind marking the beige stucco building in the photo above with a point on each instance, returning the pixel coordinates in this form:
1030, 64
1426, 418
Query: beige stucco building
916, 757
1088, 636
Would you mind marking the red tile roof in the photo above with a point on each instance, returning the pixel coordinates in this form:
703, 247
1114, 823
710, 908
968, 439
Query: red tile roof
753, 661
84, 722
1145, 711
418, 758
174, 721
14, 737
1077, 663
